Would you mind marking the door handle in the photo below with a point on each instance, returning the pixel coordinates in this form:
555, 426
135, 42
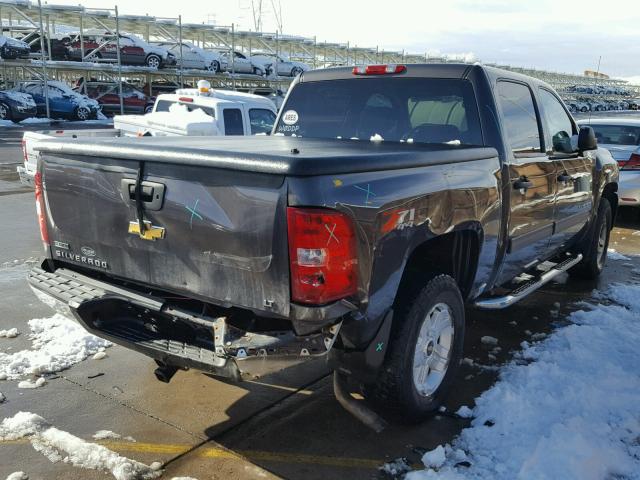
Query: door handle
565, 177
522, 183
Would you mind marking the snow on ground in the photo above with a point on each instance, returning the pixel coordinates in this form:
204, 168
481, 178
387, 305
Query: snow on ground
60, 446
58, 343
7, 124
34, 120
566, 408
613, 255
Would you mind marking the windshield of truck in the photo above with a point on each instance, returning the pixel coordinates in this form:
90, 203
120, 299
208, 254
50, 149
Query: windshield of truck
415, 110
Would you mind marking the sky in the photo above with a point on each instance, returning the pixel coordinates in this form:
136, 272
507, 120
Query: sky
559, 35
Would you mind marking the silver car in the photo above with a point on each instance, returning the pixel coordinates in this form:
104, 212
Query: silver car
621, 136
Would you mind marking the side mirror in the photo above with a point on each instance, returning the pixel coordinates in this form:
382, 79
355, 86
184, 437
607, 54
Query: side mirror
587, 139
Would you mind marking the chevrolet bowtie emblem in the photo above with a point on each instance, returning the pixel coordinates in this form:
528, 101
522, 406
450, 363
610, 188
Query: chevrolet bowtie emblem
150, 232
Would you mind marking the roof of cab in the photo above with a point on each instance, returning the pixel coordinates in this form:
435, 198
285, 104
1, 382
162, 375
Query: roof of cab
428, 70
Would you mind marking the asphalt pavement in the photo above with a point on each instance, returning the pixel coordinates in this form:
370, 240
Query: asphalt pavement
285, 425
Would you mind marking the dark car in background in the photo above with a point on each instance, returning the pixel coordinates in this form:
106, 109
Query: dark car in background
133, 50
56, 46
10, 48
16, 106
107, 94
63, 101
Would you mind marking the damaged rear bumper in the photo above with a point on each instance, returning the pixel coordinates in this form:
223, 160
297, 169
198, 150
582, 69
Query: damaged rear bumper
171, 335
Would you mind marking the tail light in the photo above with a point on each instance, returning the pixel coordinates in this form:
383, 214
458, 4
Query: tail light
632, 164
378, 69
322, 255
40, 210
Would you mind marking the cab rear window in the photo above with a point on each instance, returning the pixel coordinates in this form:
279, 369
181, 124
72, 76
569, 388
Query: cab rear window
419, 110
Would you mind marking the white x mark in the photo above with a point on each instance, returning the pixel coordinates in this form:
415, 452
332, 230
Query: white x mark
331, 234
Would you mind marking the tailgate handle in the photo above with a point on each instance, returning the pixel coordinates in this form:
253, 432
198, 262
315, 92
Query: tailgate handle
152, 193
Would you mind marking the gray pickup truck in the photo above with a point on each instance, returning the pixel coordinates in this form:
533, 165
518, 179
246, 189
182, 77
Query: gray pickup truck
386, 198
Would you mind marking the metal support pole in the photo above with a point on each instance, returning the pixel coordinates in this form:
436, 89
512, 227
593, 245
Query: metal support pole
119, 62
180, 50
233, 54
82, 35
45, 85
315, 52
49, 38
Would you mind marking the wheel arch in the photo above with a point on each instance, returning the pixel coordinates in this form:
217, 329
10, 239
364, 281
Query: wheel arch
455, 253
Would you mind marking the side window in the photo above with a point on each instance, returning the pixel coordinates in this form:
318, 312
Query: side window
262, 120
232, 121
558, 122
519, 116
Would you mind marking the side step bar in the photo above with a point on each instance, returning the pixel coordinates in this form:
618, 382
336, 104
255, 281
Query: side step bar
527, 288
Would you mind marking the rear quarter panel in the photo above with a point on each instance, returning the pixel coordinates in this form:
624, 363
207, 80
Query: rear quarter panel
396, 210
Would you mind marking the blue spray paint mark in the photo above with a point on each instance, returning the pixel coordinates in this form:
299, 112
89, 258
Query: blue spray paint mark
194, 213
367, 191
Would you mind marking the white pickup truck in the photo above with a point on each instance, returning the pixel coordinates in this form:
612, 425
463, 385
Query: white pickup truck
188, 112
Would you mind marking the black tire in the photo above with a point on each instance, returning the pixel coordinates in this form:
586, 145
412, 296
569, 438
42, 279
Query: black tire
395, 392
214, 67
258, 71
5, 111
93, 56
148, 108
595, 247
153, 61
295, 71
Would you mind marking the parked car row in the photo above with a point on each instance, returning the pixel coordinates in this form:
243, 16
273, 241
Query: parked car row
102, 46
576, 106
29, 99
599, 90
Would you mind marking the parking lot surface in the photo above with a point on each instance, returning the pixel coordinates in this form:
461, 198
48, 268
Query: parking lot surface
284, 425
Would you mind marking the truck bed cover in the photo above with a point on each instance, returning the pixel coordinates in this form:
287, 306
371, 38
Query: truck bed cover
272, 155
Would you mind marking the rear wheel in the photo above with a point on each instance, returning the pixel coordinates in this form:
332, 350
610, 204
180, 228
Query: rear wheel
424, 353
5, 112
596, 245
295, 71
94, 56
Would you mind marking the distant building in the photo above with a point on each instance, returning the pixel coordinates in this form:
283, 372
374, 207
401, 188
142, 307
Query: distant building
592, 74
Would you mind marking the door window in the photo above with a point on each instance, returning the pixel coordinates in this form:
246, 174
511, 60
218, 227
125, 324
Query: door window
559, 125
520, 119
233, 121
262, 120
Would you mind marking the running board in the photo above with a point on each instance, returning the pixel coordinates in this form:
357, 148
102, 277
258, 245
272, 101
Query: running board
527, 288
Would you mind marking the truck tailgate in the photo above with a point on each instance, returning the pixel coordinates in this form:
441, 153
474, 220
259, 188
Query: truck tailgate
220, 235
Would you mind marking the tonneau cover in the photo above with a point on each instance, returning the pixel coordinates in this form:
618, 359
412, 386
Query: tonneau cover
271, 154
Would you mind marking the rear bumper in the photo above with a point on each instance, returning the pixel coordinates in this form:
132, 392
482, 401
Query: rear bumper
170, 335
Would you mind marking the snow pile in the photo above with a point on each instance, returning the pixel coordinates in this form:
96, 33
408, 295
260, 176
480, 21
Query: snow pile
613, 255
58, 343
32, 384
10, 333
18, 476
60, 446
7, 124
20, 97
572, 413
109, 435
